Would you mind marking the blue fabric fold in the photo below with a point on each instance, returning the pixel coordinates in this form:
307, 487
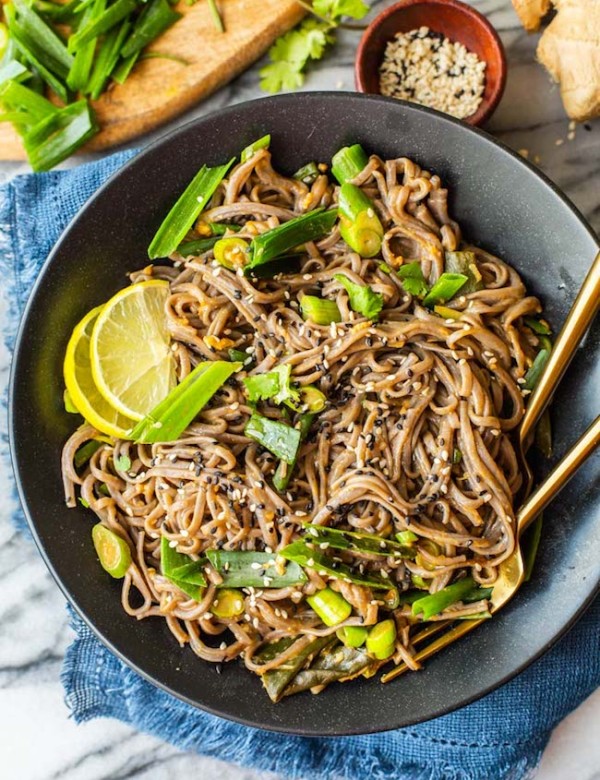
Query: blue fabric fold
500, 737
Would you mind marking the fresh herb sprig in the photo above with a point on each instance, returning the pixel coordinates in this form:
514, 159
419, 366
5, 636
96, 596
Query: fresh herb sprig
291, 53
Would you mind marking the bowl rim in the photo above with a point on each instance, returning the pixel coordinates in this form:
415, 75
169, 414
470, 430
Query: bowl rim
487, 106
18, 357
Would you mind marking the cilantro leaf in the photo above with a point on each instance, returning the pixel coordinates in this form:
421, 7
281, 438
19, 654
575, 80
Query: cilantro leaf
335, 9
287, 394
262, 386
362, 298
413, 280
291, 52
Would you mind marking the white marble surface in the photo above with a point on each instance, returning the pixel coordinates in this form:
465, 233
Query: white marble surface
37, 739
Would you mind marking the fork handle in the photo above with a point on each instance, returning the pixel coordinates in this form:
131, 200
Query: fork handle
559, 476
582, 313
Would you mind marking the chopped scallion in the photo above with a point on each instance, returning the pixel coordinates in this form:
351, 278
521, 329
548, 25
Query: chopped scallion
156, 17
319, 310
251, 149
444, 289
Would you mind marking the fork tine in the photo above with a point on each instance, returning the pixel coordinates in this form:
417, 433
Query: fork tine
443, 641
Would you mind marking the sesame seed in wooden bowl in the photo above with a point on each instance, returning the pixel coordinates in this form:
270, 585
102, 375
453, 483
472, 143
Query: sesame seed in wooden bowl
440, 53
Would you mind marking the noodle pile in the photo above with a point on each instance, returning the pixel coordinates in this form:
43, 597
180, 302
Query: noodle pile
419, 431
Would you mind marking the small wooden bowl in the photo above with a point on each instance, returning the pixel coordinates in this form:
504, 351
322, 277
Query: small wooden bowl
456, 21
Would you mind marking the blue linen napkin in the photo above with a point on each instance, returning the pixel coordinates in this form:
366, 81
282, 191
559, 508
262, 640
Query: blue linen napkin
500, 737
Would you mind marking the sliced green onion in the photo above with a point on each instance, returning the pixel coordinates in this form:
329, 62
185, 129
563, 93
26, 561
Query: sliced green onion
352, 636
228, 603
197, 246
307, 557
18, 98
251, 149
277, 437
360, 227
3, 39
320, 310
465, 263
540, 327
77, 79
220, 228
531, 544
309, 227
106, 59
42, 40
156, 17
112, 550
406, 537
249, 569
284, 470
232, 252
312, 399
348, 162
355, 541
56, 137
217, 20
61, 12
412, 278
124, 68
330, 606
532, 377
363, 299
182, 215
158, 55
307, 174
114, 14
168, 420
239, 356
12, 70
382, 639
85, 452
444, 289
435, 603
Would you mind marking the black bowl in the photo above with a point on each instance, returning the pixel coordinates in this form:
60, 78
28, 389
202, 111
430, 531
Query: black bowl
502, 203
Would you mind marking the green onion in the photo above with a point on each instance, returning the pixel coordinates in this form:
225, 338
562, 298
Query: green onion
239, 356
444, 289
156, 17
434, 603
157, 55
284, 470
406, 537
18, 98
114, 14
330, 606
251, 149
381, 640
531, 544
363, 299
78, 76
216, 16
297, 231
41, 39
106, 59
57, 136
220, 228
228, 603
168, 420
280, 439
249, 569
124, 68
312, 399
307, 174
465, 263
3, 39
348, 162
181, 570
232, 252
540, 327
62, 12
182, 215
413, 280
112, 550
360, 226
12, 70
310, 558
197, 246
320, 310
532, 377
355, 541
85, 452
352, 636
262, 386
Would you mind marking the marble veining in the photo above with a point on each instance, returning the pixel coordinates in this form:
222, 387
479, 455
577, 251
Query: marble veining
38, 741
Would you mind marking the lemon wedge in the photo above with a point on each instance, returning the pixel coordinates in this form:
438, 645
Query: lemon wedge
132, 363
81, 387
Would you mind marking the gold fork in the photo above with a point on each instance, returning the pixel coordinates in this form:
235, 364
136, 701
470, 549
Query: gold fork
512, 571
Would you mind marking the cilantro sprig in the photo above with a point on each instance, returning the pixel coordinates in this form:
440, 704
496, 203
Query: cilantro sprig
291, 53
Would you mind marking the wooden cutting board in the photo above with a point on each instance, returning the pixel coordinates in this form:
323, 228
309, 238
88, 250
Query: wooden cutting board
159, 89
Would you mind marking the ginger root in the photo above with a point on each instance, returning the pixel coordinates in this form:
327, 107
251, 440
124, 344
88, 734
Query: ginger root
570, 50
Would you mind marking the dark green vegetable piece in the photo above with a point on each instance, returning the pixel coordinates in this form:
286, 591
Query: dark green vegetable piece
334, 663
197, 246
434, 603
320, 310
354, 541
106, 59
114, 14
19, 98
41, 39
444, 289
57, 136
532, 377
465, 263
277, 437
239, 356
12, 70
248, 569
348, 162
124, 68
307, 174
168, 420
112, 550
156, 17
276, 680
251, 149
182, 215
181, 570
413, 280
537, 326
85, 452
531, 543
284, 470
77, 79
309, 227
360, 227
312, 558
363, 299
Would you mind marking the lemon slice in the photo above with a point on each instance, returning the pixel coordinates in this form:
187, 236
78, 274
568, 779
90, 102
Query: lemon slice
81, 387
132, 363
